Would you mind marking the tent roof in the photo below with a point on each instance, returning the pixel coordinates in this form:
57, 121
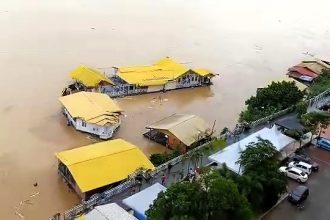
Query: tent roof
110, 211
96, 108
103, 163
141, 201
232, 153
88, 76
185, 127
157, 74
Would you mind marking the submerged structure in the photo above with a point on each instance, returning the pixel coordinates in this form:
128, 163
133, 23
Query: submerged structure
91, 112
90, 169
164, 75
307, 71
179, 131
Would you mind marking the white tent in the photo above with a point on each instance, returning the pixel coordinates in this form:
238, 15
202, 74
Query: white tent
231, 154
108, 212
141, 201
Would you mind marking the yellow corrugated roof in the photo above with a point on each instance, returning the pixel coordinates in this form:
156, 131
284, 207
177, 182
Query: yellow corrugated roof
88, 76
185, 127
300, 85
203, 72
158, 74
103, 163
90, 106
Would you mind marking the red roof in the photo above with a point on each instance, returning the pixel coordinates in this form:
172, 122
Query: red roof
303, 71
326, 133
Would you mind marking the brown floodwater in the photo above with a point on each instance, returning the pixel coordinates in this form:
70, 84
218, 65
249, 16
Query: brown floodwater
247, 42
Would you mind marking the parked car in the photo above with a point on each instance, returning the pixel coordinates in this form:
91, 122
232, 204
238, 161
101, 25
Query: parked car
294, 173
298, 195
306, 159
305, 167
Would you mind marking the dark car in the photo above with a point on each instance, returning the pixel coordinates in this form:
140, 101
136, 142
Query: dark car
306, 159
298, 195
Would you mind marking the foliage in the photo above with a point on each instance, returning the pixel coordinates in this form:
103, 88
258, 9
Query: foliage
213, 197
316, 121
295, 134
277, 96
261, 182
158, 159
301, 108
320, 84
224, 131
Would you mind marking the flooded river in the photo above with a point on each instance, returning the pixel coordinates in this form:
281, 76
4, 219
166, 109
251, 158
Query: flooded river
247, 42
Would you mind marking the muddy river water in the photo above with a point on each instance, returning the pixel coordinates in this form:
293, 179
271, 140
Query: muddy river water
247, 42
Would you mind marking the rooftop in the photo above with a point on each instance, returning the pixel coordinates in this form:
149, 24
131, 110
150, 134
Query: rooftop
89, 77
103, 163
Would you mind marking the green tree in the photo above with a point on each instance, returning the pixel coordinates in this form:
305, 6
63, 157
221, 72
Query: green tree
277, 96
261, 181
316, 122
320, 84
212, 197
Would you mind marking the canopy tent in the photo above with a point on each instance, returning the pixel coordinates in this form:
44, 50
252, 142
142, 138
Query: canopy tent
110, 211
231, 154
141, 201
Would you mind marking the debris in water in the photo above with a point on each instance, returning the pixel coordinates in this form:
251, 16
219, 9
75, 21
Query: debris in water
150, 107
34, 194
35, 184
93, 28
165, 100
125, 116
19, 214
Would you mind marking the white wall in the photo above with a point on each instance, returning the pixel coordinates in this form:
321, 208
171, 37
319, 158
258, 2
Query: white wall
171, 85
155, 88
104, 132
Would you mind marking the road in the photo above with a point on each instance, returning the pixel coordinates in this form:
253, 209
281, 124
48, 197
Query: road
317, 204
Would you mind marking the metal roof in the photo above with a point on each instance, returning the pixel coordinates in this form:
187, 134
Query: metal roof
88, 76
103, 163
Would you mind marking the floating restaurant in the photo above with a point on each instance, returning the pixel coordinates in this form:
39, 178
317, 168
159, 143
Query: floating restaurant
179, 131
93, 168
91, 112
166, 74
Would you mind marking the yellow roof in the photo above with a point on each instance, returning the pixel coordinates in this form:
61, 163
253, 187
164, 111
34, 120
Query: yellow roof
88, 76
103, 163
300, 85
186, 128
203, 72
96, 108
157, 74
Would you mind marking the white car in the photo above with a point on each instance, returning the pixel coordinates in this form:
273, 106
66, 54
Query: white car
294, 173
305, 167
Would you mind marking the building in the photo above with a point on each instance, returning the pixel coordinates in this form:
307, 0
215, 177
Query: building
94, 113
301, 86
110, 211
141, 201
164, 75
307, 71
230, 155
93, 168
179, 131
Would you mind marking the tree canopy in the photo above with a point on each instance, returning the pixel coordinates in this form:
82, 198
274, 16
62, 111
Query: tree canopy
261, 182
277, 96
320, 84
212, 197
316, 121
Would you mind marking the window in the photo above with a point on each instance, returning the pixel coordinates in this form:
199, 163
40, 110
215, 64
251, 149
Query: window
83, 124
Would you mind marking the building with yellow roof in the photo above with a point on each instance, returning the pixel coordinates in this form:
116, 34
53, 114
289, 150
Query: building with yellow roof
165, 74
90, 112
89, 77
92, 168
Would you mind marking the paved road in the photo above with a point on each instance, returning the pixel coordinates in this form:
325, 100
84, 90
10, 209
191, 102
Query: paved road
316, 206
